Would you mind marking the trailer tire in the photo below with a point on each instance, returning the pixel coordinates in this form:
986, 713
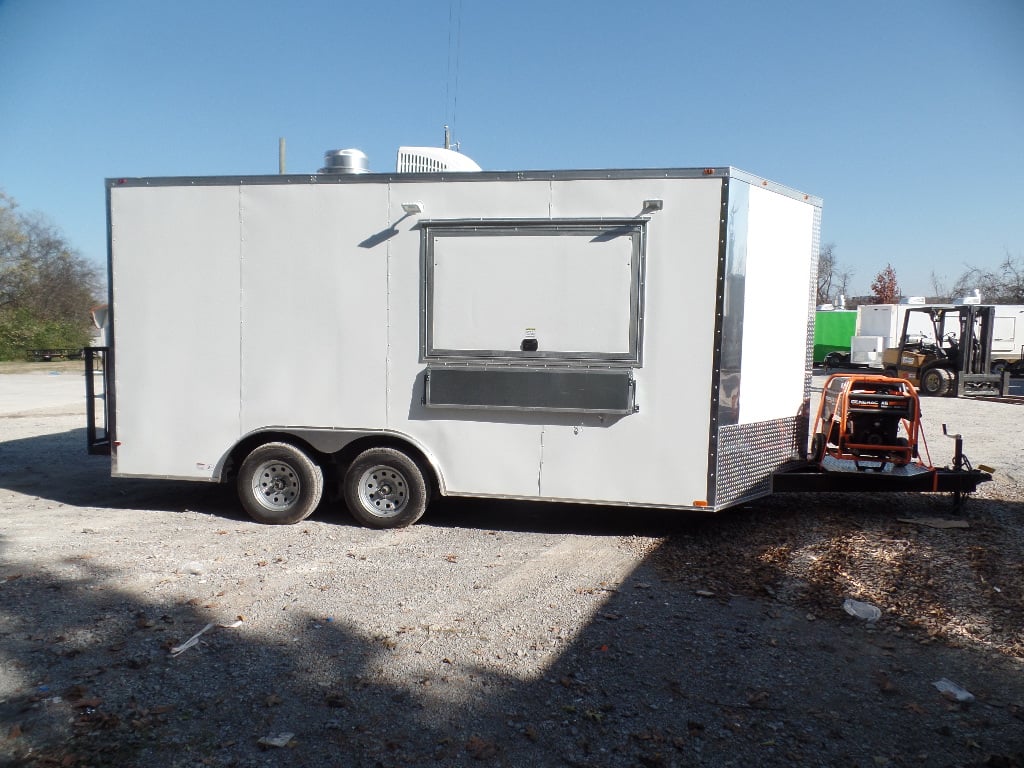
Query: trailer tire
998, 366
385, 488
279, 484
937, 382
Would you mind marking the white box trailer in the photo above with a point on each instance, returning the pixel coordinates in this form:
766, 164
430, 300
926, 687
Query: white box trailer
584, 336
879, 327
1007, 336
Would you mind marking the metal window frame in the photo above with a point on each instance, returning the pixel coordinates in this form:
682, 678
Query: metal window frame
634, 228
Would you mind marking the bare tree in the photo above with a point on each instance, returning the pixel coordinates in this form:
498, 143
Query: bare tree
938, 283
885, 286
1002, 285
833, 277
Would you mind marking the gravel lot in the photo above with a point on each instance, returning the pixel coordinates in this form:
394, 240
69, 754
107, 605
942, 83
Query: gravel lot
500, 634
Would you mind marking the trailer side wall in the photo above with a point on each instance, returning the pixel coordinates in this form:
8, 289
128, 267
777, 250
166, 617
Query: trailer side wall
645, 372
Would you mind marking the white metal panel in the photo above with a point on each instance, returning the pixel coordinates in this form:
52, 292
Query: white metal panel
659, 455
570, 292
314, 306
877, 320
886, 320
776, 307
1002, 334
1008, 331
175, 285
867, 350
477, 452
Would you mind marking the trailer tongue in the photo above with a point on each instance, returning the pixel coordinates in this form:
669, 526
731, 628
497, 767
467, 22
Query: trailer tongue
867, 437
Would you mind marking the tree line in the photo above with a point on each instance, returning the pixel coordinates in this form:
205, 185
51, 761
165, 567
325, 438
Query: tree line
46, 287
1002, 284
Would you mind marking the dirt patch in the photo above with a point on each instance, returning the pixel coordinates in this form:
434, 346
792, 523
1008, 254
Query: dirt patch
958, 585
61, 366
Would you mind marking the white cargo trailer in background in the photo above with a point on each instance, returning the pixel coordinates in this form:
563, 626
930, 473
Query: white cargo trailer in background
1007, 336
879, 327
586, 336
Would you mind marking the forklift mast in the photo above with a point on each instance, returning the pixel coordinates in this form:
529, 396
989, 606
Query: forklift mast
977, 324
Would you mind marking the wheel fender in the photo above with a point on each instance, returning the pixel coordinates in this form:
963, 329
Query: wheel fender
330, 441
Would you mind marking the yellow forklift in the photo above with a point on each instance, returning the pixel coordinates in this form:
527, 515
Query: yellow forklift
956, 361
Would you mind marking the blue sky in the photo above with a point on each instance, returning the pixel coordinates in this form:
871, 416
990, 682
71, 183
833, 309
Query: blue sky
906, 117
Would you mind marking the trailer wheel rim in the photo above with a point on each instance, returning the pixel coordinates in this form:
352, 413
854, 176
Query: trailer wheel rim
383, 491
276, 485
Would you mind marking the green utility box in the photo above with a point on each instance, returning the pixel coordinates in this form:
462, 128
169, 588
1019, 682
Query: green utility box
833, 329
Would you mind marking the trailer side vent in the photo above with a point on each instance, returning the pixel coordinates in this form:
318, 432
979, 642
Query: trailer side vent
433, 160
345, 161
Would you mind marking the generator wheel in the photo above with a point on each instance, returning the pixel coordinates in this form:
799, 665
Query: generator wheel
385, 488
279, 484
817, 446
937, 382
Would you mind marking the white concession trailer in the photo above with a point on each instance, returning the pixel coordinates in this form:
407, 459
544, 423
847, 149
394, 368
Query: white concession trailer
585, 336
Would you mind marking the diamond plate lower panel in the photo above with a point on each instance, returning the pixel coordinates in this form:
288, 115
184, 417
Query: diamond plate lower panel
748, 454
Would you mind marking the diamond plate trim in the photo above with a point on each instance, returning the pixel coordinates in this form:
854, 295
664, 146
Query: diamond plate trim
812, 295
748, 454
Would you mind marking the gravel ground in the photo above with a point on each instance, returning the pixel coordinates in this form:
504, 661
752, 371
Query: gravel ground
502, 634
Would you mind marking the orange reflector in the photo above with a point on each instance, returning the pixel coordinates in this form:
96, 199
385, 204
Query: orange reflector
700, 503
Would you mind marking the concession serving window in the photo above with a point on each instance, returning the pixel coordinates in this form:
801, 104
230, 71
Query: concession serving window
521, 294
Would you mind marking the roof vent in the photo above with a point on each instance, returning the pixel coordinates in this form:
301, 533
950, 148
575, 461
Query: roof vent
432, 160
345, 161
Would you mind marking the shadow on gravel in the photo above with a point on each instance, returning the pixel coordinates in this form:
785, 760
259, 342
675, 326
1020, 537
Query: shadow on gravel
689, 661
56, 467
658, 677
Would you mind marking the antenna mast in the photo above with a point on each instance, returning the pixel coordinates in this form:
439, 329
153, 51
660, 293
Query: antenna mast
451, 95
